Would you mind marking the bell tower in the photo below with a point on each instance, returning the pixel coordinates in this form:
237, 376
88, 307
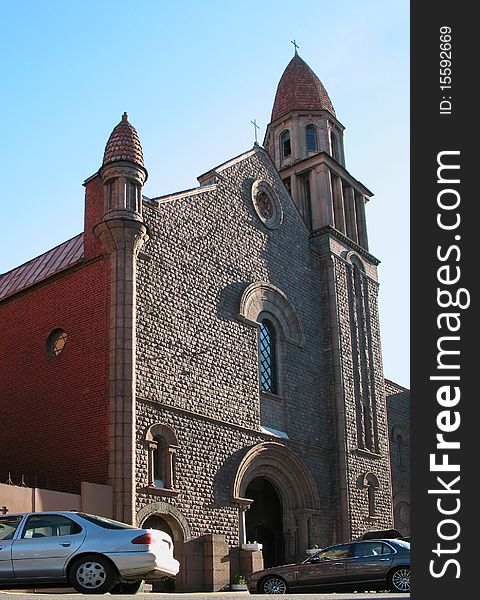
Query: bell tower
305, 142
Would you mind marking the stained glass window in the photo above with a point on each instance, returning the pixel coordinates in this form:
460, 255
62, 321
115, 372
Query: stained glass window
268, 363
56, 342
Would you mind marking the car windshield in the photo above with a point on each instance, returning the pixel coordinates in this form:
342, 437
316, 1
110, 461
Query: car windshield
104, 522
403, 543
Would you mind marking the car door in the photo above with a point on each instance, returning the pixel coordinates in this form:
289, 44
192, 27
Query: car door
44, 546
370, 561
8, 528
326, 568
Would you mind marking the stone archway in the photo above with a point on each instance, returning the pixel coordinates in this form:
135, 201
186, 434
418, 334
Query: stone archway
294, 484
165, 517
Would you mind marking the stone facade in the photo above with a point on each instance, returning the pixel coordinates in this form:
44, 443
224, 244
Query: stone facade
398, 407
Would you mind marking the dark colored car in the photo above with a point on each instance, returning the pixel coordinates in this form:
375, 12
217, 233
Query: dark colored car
361, 565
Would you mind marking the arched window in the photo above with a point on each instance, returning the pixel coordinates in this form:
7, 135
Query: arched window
364, 383
285, 144
162, 444
267, 348
311, 138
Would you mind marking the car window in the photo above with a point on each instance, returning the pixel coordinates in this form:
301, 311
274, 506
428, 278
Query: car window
8, 526
40, 526
335, 552
371, 549
105, 523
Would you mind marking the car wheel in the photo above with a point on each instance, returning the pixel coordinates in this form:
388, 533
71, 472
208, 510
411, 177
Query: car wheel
127, 588
273, 585
399, 579
93, 575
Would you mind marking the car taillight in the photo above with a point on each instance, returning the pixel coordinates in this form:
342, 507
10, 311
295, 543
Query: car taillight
145, 538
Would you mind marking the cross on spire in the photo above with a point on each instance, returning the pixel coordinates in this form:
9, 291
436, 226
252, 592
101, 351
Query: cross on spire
254, 123
295, 44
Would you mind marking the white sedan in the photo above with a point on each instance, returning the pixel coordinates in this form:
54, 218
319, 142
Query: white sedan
91, 553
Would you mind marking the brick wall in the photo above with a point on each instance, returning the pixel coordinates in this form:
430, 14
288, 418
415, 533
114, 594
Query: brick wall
55, 409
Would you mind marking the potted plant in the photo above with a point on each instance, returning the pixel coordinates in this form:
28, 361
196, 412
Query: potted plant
239, 583
252, 546
313, 550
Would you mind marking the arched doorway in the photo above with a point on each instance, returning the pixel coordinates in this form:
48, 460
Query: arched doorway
157, 522
264, 520
165, 517
294, 491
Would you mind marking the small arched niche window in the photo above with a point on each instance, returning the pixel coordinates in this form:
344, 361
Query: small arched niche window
311, 134
370, 482
267, 348
162, 445
285, 144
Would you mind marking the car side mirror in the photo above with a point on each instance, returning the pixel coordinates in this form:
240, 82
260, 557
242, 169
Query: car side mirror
315, 560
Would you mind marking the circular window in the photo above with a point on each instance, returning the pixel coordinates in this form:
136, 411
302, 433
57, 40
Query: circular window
56, 342
266, 204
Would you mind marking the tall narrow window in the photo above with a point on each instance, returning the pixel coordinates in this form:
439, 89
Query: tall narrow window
305, 201
131, 195
159, 459
400, 450
285, 144
367, 427
335, 152
268, 359
311, 138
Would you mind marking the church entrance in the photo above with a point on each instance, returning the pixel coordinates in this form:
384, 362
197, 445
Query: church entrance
264, 520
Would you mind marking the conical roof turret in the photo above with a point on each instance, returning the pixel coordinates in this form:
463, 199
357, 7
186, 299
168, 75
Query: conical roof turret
300, 89
124, 144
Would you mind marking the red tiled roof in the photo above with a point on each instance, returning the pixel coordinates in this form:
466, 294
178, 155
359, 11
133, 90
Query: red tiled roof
57, 259
123, 144
300, 89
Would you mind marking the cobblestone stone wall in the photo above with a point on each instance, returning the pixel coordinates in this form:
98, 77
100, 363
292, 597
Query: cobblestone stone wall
398, 405
193, 354
197, 362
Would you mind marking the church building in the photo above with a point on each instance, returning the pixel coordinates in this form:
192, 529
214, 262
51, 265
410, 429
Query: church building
213, 355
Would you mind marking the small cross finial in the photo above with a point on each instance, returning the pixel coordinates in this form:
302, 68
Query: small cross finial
295, 44
254, 123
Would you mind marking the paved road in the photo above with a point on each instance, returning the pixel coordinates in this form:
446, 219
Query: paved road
199, 596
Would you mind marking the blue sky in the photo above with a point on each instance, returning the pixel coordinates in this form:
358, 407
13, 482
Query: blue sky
192, 75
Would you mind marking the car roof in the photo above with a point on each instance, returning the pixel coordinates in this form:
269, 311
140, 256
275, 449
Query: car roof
41, 512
